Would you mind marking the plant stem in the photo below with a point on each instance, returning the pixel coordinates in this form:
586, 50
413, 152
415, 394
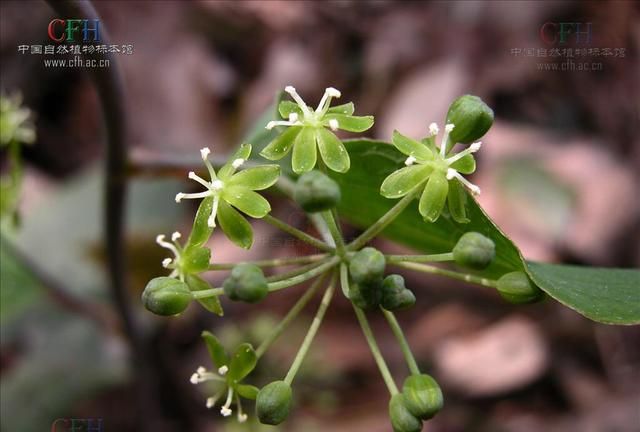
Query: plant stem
295, 272
291, 315
335, 232
391, 259
375, 351
277, 262
402, 341
313, 329
275, 286
300, 235
385, 220
425, 268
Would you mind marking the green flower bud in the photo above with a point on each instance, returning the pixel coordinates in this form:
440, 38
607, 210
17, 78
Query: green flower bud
367, 265
471, 117
474, 250
273, 403
246, 283
422, 396
166, 296
366, 295
315, 192
395, 295
515, 287
401, 418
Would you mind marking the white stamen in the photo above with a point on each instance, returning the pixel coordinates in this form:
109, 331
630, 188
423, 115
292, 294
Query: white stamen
226, 412
333, 124
211, 402
217, 185
475, 146
160, 239
222, 370
237, 163
204, 153
166, 262
445, 138
197, 178
324, 103
333, 92
293, 117
273, 124
410, 161
471, 149
449, 127
179, 197
451, 173
211, 222
296, 97
242, 417
433, 129
201, 370
195, 378
175, 236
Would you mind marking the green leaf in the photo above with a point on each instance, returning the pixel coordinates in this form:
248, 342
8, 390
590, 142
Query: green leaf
332, 150
235, 227
196, 259
212, 304
256, 178
411, 147
346, 109
201, 231
227, 169
615, 291
304, 151
216, 350
247, 201
434, 196
281, 145
287, 107
400, 182
607, 295
350, 123
465, 165
247, 391
244, 360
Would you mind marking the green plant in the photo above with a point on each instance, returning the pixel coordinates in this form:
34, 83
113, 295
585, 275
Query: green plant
357, 179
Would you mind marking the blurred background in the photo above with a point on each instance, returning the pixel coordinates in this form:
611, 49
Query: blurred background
559, 172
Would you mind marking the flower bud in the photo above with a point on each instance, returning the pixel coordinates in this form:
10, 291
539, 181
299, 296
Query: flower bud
273, 403
401, 418
367, 265
474, 250
471, 117
246, 283
166, 296
515, 287
366, 295
422, 396
395, 295
315, 192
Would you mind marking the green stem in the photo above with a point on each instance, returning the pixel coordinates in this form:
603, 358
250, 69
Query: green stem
300, 235
402, 341
291, 315
373, 346
295, 272
277, 262
313, 329
385, 220
335, 232
391, 259
425, 268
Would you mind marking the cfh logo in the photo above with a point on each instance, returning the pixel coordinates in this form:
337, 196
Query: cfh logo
74, 30
77, 425
553, 33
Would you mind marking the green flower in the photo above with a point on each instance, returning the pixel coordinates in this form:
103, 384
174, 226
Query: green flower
438, 171
227, 191
228, 376
307, 129
15, 121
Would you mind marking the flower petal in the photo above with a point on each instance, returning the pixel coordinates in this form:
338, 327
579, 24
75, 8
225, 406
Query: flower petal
411, 147
457, 201
201, 230
247, 391
332, 150
216, 351
256, 178
235, 227
247, 201
465, 165
304, 151
280, 146
212, 304
346, 109
433, 197
195, 259
287, 107
349, 123
400, 182
227, 169
244, 360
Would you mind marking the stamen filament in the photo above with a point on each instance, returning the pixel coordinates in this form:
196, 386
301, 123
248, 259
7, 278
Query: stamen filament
445, 139
180, 196
471, 149
296, 97
196, 177
214, 210
451, 173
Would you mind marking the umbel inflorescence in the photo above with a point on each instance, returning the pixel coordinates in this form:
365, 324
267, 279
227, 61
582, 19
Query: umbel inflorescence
433, 174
